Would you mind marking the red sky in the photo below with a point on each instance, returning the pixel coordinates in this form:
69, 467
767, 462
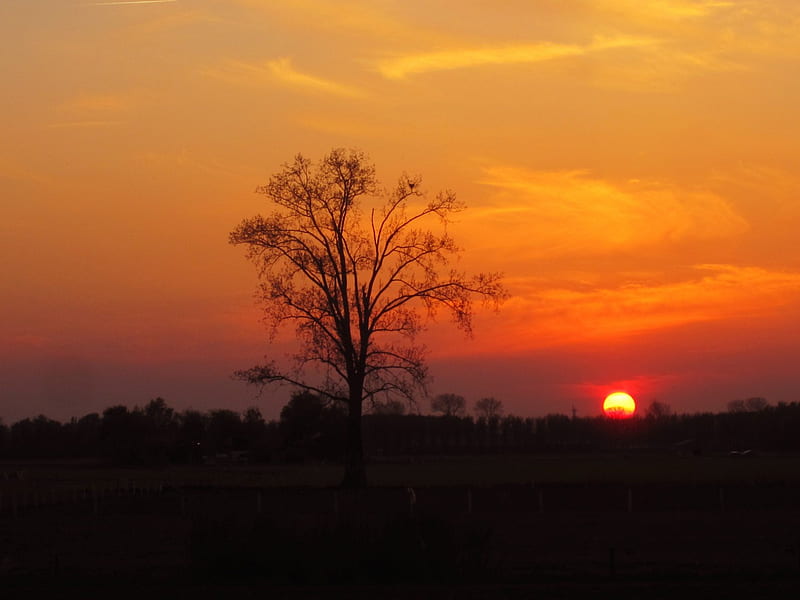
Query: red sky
631, 166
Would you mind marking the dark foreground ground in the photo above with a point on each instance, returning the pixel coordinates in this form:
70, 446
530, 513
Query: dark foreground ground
624, 532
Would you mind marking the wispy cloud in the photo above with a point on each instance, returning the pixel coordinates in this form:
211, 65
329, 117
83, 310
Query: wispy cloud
94, 110
130, 2
81, 124
279, 71
664, 9
99, 103
343, 127
282, 70
350, 19
775, 189
547, 213
661, 69
759, 29
540, 316
701, 36
186, 161
461, 58
12, 168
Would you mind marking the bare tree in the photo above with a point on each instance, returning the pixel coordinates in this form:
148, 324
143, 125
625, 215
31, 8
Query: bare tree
350, 266
737, 406
389, 407
450, 405
755, 404
488, 408
658, 410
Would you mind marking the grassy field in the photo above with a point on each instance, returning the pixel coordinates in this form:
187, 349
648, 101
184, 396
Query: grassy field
499, 526
425, 472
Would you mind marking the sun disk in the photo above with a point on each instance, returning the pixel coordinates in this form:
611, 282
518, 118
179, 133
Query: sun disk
619, 405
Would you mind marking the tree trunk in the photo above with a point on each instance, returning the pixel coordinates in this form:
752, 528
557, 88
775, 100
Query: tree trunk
355, 474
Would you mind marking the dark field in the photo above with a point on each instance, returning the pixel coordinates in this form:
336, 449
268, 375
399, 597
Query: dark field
479, 471
514, 527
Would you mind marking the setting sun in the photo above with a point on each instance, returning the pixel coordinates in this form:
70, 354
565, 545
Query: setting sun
619, 405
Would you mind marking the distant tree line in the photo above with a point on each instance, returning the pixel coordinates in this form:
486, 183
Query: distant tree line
152, 434
309, 429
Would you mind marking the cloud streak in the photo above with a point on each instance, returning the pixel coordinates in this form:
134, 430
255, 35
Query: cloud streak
82, 124
349, 19
280, 71
130, 2
547, 213
664, 9
540, 316
461, 58
99, 103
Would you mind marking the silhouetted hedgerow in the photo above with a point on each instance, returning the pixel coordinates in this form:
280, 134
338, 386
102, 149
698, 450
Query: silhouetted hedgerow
311, 430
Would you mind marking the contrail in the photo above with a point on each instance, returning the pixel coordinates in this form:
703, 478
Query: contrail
132, 2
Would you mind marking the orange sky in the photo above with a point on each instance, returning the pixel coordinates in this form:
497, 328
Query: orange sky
631, 165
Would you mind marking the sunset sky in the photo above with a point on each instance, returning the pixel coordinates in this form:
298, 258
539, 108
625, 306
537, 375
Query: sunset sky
630, 165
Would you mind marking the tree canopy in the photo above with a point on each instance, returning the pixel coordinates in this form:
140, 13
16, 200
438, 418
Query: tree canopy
356, 269
488, 408
450, 405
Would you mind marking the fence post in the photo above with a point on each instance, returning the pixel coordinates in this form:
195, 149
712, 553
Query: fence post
469, 501
541, 500
612, 566
797, 547
630, 500
412, 500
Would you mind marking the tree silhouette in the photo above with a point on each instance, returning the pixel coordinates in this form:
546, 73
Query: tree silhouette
224, 431
302, 416
311, 427
488, 408
389, 407
658, 410
350, 267
4, 438
122, 433
450, 405
161, 430
160, 415
253, 424
86, 434
192, 435
737, 406
756, 404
